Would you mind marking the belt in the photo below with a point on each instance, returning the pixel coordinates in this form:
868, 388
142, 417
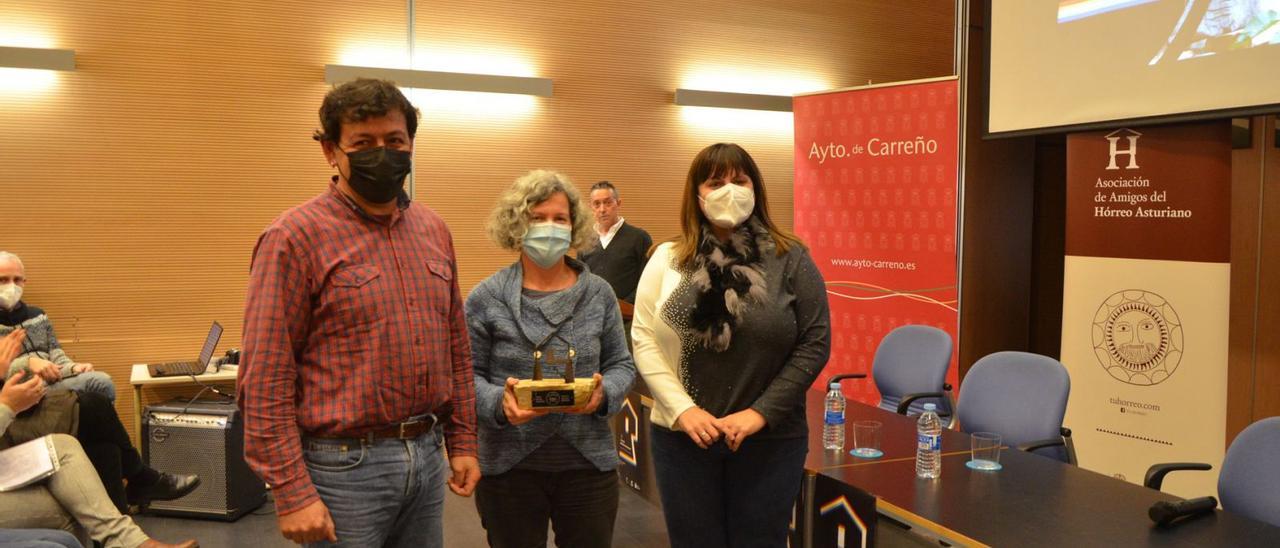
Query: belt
406, 430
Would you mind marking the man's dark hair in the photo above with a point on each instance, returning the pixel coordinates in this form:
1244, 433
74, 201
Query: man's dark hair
359, 100
606, 185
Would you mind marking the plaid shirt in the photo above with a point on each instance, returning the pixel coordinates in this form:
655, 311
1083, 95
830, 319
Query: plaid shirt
352, 323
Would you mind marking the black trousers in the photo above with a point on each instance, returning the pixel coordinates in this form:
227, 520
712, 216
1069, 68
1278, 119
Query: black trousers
107, 444
581, 505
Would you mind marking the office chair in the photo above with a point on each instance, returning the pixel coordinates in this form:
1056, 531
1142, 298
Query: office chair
1250, 481
910, 370
1022, 397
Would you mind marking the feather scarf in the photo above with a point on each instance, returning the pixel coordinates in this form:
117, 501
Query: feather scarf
727, 276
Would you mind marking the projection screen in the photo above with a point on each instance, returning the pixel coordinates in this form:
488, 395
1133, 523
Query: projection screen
1059, 65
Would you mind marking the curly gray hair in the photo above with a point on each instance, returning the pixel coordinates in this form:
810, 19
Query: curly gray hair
510, 217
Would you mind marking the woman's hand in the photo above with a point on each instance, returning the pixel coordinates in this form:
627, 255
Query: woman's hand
20, 395
516, 415
593, 403
700, 426
11, 347
738, 426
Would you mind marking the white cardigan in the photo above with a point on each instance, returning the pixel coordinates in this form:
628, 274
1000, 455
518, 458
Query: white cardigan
655, 345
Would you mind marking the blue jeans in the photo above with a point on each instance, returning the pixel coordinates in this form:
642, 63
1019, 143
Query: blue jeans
388, 493
93, 381
713, 498
37, 538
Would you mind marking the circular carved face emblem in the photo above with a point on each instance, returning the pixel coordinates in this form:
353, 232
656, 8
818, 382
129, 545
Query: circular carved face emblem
1137, 337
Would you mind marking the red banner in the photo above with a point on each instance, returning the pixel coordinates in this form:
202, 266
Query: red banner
875, 200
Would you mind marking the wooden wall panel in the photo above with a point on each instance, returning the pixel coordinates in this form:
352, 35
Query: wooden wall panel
1266, 387
616, 66
136, 186
997, 227
1242, 338
1049, 239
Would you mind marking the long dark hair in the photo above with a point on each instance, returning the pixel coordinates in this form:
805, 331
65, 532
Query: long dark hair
715, 161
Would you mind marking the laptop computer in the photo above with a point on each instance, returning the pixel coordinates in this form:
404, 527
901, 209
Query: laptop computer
169, 369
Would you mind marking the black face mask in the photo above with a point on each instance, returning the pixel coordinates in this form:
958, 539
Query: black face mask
377, 174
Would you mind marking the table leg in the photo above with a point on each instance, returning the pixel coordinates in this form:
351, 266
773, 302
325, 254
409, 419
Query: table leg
808, 511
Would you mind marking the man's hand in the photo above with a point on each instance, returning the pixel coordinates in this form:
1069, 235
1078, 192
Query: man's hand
700, 426
20, 395
593, 403
466, 474
516, 415
45, 369
81, 368
311, 523
738, 426
10, 347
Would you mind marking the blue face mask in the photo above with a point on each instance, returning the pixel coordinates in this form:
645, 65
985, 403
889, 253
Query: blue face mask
547, 242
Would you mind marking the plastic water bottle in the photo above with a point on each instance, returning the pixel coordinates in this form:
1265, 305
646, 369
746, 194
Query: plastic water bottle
833, 421
929, 443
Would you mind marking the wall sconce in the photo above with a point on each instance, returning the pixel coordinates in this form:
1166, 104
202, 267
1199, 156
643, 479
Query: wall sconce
724, 99
37, 58
451, 81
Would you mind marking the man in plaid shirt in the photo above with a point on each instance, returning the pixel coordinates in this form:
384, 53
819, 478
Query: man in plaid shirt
356, 359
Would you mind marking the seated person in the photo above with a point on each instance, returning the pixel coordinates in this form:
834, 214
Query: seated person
48, 360
72, 495
108, 447
37, 538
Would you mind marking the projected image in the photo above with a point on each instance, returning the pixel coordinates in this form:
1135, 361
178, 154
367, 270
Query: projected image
1107, 61
1074, 10
1206, 27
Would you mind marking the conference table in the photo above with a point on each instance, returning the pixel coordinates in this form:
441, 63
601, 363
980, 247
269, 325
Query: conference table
1033, 500
897, 436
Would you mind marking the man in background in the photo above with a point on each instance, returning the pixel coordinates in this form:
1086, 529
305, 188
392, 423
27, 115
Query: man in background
356, 358
623, 249
46, 357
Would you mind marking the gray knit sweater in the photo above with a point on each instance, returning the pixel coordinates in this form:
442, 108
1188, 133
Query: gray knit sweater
502, 346
40, 342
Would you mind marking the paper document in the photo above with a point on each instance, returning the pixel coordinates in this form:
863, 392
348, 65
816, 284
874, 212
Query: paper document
27, 463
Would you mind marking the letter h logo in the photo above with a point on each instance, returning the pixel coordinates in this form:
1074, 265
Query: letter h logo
1113, 139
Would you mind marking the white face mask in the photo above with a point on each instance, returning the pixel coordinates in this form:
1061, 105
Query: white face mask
10, 294
729, 205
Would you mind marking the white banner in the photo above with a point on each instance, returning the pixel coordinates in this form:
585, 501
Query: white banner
1147, 357
1146, 293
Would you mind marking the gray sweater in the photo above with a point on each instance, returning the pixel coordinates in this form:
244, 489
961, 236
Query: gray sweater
502, 346
40, 341
776, 352
6, 418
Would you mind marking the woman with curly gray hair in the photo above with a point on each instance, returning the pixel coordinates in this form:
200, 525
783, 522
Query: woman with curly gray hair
546, 465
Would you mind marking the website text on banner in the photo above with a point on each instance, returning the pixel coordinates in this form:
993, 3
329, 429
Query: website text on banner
875, 200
